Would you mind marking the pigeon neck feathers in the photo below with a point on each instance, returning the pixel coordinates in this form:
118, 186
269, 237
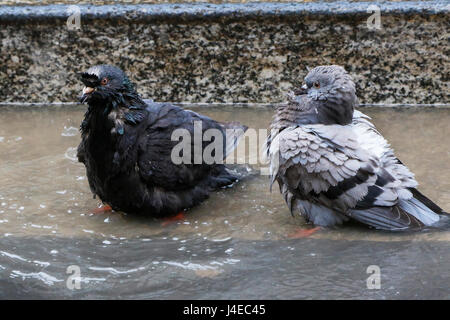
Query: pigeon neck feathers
113, 109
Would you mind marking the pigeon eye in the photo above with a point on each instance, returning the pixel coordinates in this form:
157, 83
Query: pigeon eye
104, 81
316, 84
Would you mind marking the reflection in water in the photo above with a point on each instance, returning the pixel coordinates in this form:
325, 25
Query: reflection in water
232, 246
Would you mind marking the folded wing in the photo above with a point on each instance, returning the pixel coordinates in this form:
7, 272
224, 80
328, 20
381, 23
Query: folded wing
349, 170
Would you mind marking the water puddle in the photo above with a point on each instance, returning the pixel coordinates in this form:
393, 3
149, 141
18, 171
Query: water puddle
234, 245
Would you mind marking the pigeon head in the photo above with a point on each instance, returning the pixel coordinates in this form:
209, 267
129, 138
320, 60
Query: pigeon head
333, 93
103, 81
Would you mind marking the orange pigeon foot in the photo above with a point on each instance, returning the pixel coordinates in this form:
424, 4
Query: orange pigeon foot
303, 233
170, 220
102, 209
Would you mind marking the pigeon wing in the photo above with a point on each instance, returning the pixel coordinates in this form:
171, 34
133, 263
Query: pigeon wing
156, 145
323, 163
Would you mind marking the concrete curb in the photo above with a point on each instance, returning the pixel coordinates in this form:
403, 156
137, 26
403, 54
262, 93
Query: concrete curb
229, 11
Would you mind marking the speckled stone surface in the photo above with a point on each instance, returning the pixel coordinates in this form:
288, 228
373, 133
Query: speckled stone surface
227, 53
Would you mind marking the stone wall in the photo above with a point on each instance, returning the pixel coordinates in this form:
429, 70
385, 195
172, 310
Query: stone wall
214, 54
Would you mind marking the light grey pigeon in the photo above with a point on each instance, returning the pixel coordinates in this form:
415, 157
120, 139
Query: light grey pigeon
332, 165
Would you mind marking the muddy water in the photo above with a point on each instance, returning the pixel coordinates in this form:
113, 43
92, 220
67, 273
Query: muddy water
235, 245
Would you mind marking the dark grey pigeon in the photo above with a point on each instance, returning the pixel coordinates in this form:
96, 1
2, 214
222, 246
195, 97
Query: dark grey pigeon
332, 165
127, 143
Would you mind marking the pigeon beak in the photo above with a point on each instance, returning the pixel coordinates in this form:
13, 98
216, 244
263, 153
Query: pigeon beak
304, 87
86, 92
